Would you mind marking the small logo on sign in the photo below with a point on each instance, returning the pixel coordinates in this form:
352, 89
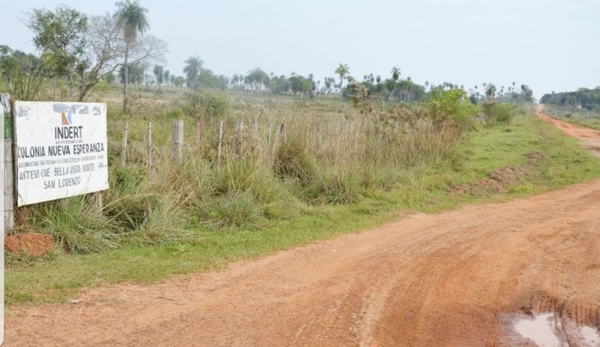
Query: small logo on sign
66, 118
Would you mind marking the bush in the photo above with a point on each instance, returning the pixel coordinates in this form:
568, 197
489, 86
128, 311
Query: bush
206, 104
237, 190
453, 105
336, 186
292, 161
77, 225
128, 177
236, 209
163, 222
498, 112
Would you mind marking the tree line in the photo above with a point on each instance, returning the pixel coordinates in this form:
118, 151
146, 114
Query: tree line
584, 98
84, 51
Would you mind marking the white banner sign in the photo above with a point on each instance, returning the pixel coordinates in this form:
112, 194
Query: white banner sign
61, 150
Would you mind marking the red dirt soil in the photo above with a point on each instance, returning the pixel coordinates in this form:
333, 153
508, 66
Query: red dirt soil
590, 138
33, 244
448, 279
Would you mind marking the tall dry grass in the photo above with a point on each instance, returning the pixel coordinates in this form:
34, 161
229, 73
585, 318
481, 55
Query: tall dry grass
277, 157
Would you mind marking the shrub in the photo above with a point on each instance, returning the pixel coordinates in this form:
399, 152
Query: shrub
77, 225
335, 186
498, 112
206, 103
236, 209
128, 177
292, 161
453, 105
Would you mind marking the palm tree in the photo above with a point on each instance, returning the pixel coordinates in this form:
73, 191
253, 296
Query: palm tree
395, 76
192, 70
342, 71
490, 91
395, 73
132, 18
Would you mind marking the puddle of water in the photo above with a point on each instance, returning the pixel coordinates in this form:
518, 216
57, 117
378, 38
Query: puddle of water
546, 330
539, 330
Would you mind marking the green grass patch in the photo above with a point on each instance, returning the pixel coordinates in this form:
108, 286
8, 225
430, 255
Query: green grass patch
542, 157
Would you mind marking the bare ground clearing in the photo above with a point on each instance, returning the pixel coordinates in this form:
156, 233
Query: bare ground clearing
428, 280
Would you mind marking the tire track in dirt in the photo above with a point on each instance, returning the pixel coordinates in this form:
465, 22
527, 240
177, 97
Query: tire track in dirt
449, 279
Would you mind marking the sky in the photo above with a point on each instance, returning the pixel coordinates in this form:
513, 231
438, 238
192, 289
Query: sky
549, 45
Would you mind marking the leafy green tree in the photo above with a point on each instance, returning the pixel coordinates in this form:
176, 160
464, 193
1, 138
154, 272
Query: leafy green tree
207, 79
158, 74
192, 71
224, 81
302, 85
279, 85
178, 81
24, 73
10, 68
132, 19
135, 73
61, 35
527, 93
258, 78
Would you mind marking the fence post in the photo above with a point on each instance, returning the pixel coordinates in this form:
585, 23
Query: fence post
124, 146
308, 139
149, 150
198, 134
282, 137
9, 183
177, 141
318, 139
269, 135
238, 138
220, 146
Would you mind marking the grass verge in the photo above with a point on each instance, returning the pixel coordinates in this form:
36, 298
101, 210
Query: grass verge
538, 156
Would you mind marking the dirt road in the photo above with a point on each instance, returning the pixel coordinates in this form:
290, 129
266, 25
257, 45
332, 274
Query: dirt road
590, 138
451, 279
